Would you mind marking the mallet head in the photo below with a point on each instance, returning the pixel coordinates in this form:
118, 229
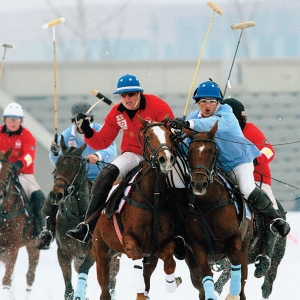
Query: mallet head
6, 45
53, 22
215, 7
242, 25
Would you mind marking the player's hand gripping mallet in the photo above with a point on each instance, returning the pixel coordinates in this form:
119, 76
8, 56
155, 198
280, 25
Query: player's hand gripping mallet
52, 24
5, 47
235, 27
215, 9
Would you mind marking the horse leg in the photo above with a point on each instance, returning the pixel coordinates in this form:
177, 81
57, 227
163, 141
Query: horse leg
102, 256
148, 270
207, 275
65, 265
11, 258
171, 282
82, 271
224, 277
113, 272
195, 273
33, 259
10, 261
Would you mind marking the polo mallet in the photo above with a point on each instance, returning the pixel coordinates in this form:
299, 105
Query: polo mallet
217, 9
45, 26
5, 47
101, 98
235, 27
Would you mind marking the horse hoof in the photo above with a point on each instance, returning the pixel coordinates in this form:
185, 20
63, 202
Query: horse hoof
262, 265
178, 281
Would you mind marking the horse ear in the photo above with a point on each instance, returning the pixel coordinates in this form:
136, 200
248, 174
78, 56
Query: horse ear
166, 119
142, 121
82, 148
189, 133
9, 152
63, 144
214, 129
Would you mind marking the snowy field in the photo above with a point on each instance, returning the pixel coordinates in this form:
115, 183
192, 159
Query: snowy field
49, 281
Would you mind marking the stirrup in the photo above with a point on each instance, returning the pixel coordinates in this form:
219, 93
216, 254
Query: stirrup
79, 226
276, 231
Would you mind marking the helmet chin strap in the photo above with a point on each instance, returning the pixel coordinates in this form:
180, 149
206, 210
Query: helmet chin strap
138, 100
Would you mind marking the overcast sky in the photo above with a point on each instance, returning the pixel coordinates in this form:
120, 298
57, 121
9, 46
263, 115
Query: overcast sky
9, 5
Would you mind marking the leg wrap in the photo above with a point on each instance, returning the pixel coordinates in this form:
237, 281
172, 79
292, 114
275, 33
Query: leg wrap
209, 288
170, 283
235, 282
81, 286
138, 277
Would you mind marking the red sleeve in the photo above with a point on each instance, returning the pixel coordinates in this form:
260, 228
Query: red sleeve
256, 136
29, 148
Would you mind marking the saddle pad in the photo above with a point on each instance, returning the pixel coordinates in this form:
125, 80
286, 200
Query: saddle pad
126, 193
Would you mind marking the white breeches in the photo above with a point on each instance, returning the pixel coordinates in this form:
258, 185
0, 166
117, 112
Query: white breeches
29, 184
242, 175
129, 160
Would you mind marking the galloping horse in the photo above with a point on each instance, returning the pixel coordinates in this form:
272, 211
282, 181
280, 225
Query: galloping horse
215, 231
70, 192
16, 228
256, 248
144, 228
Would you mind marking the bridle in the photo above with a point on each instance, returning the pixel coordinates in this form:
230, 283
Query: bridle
5, 185
210, 172
152, 159
72, 187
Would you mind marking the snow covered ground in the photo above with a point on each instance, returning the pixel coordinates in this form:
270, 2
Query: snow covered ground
49, 281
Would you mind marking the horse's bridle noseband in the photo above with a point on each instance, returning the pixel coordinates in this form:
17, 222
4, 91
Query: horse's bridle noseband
70, 188
152, 160
210, 172
5, 185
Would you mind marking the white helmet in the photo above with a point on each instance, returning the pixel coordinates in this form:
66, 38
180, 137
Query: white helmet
13, 110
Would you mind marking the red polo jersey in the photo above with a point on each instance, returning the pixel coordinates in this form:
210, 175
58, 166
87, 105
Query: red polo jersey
152, 108
254, 134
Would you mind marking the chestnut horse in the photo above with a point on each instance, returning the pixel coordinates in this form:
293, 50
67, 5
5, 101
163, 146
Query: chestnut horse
214, 232
70, 193
16, 228
147, 219
256, 249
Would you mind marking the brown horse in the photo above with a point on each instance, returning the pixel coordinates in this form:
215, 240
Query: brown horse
258, 246
16, 228
70, 193
146, 222
214, 232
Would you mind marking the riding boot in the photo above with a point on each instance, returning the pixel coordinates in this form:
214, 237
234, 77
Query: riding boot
262, 203
37, 200
100, 191
180, 249
47, 235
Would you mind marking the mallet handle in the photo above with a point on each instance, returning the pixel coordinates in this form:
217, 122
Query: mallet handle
103, 98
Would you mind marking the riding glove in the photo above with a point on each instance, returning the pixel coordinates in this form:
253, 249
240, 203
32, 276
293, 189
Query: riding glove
55, 148
16, 166
83, 122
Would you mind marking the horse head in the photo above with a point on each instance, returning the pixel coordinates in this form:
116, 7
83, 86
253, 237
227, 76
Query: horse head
5, 172
69, 173
157, 144
202, 157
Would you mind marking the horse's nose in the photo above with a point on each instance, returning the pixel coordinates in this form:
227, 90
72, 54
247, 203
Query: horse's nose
56, 197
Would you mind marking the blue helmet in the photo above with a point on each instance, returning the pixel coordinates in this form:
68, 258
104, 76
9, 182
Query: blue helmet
128, 83
208, 89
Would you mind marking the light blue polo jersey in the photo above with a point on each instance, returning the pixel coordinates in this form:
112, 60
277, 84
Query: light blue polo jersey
74, 139
234, 148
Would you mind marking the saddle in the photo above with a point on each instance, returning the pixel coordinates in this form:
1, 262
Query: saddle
118, 193
236, 195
